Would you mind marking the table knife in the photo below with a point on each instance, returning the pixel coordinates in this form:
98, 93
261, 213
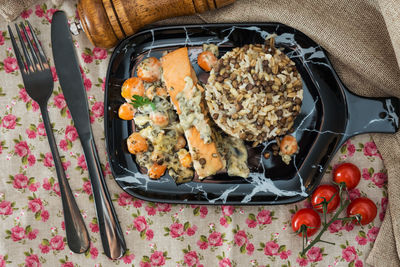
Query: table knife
69, 75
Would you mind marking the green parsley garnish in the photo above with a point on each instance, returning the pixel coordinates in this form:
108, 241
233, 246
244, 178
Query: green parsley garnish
139, 101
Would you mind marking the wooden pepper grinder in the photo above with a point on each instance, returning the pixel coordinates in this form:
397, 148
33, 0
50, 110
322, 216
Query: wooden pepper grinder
105, 22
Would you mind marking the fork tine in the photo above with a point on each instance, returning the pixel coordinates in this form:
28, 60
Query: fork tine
39, 47
21, 63
31, 67
33, 51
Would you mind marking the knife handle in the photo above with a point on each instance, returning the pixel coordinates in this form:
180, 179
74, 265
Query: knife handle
77, 234
110, 230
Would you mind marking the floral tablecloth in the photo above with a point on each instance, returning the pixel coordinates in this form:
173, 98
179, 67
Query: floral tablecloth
32, 230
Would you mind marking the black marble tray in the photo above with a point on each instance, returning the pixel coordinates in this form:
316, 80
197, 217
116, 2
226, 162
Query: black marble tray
330, 114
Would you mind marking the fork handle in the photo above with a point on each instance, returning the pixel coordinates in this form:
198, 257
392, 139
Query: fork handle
77, 234
110, 231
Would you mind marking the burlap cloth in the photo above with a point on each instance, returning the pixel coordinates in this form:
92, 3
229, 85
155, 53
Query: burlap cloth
10, 9
362, 38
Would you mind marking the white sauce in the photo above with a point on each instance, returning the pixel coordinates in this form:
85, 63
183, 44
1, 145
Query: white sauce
191, 114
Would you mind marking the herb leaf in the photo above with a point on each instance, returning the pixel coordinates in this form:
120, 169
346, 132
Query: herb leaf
139, 101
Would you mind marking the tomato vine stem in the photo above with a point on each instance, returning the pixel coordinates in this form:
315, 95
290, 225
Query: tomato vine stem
325, 227
344, 203
324, 241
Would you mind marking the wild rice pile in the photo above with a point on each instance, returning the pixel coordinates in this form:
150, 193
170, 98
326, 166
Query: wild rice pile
254, 92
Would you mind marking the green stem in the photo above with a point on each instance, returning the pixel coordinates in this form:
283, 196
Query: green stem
345, 218
324, 241
317, 239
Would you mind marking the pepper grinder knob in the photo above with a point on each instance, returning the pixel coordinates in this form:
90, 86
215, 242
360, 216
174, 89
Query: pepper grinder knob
76, 27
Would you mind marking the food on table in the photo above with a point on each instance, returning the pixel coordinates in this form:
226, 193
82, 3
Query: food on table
211, 48
161, 91
126, 111
150, 92
176, 67
206, 60
181, 82
137, 143
348, 173
275, 147
149, 70
328, 193
156, 170
237, 158
306, 218
159, 118
132, 86
254, 92
163, 132
159, 143
158, 135
185, 158
288, 146
140, 101
363, 207
234, 152
156, 90
180, 143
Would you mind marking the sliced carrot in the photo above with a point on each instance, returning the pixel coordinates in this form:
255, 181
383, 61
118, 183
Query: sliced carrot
137, 143
288, 145
156, 171
184, 158
149, 70
161, 91
159, 118
132, 86
206, 60
126, 111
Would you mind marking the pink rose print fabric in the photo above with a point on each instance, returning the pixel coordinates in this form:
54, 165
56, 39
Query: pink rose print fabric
32, 230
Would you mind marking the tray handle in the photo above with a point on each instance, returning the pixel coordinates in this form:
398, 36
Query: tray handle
372, 115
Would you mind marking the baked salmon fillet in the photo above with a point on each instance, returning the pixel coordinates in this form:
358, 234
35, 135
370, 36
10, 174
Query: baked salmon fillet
181, 82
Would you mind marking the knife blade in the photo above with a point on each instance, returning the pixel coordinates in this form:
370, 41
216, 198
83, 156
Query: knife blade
69, 75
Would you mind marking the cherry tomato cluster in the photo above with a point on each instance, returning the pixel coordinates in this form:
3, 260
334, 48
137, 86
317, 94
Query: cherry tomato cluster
326, 199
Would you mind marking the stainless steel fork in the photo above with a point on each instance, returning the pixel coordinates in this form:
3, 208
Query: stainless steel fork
39, 84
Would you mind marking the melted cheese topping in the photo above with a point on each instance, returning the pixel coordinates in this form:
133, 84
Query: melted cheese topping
191, 114
234, 152
162, 140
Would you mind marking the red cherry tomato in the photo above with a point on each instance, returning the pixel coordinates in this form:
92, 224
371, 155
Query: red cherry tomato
364, 207
327, 192
347, 173
307, 217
